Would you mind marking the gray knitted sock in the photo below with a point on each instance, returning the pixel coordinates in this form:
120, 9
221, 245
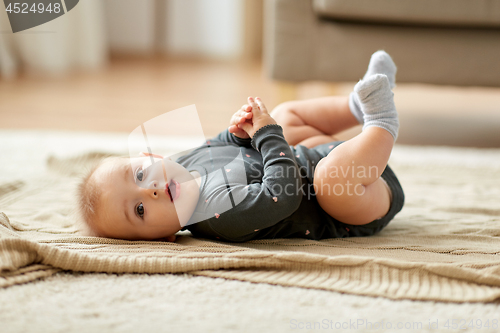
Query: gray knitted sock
380, 63
376, 101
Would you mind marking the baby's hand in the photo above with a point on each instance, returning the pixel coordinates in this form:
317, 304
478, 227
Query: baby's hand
260, 117
242, 115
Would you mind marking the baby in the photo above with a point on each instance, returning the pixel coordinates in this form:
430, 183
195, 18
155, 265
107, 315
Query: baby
300, 181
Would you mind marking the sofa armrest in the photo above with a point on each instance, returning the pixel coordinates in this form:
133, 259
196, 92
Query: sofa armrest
289, 39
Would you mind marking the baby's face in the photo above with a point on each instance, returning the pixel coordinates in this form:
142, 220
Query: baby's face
136, 203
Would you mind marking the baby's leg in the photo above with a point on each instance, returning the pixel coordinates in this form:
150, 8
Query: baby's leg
314, 121
347, 181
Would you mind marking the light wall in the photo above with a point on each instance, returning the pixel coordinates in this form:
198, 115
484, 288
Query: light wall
130, 25
84, 37
207, 28
211, 28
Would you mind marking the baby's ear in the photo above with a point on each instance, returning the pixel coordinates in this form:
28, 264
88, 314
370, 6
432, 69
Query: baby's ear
171, 238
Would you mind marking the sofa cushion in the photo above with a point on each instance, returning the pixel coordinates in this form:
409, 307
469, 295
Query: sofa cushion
462, 13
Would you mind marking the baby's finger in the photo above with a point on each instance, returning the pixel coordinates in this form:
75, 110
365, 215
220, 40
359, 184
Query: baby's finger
245, 112
242, 117
246, 127
255, 107
234, 119
233, 129
261, 105
246, 115
236, 131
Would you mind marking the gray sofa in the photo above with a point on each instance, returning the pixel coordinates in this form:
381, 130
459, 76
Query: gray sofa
448, 42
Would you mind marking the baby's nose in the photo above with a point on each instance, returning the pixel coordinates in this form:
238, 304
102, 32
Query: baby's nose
152, 189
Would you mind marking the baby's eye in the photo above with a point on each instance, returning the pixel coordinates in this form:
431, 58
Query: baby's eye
140, 175
140, 210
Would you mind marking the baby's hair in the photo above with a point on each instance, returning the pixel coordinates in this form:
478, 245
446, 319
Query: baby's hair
89, 194
89, 199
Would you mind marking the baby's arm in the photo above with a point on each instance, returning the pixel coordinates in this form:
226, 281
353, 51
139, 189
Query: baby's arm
262, 204
265, 203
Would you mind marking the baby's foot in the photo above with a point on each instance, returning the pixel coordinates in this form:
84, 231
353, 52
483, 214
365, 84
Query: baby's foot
380, 63
377, 103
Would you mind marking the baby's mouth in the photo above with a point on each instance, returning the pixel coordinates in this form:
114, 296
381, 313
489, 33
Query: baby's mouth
173, 190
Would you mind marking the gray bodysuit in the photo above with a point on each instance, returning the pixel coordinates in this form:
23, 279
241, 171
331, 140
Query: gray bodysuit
262, 188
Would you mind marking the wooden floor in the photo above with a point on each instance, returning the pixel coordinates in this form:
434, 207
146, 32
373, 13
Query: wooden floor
131, 91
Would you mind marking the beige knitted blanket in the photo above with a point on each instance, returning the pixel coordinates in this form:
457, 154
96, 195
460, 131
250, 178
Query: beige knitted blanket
443, 246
